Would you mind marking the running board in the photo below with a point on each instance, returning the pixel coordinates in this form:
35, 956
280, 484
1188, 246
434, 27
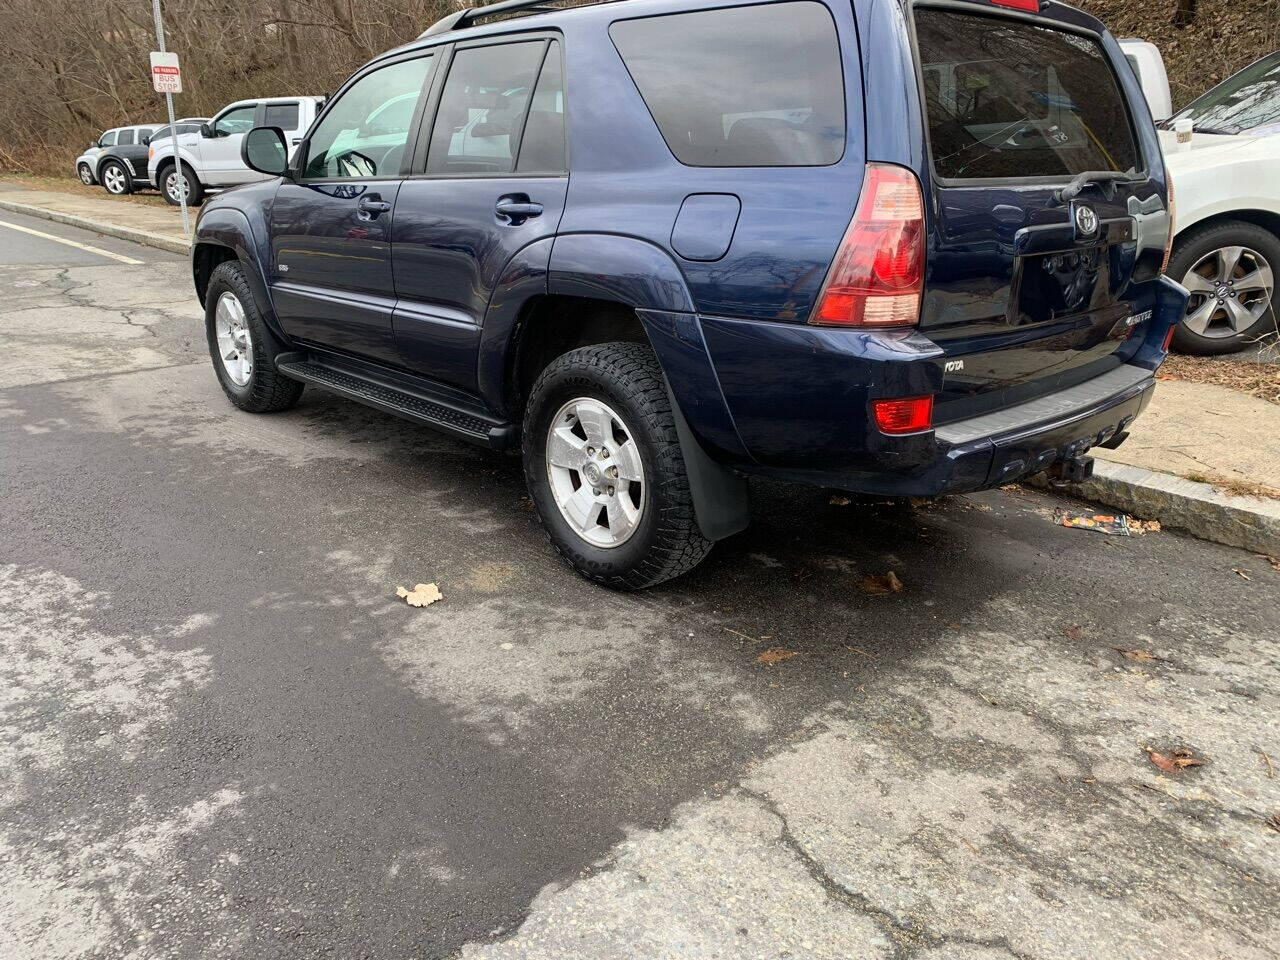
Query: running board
410, 404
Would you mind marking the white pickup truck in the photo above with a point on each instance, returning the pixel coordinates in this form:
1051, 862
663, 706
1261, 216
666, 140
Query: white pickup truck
210, 158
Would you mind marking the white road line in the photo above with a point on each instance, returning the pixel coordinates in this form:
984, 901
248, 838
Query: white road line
72, 243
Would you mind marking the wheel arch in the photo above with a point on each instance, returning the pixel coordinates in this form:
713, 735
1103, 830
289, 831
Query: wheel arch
1267, 219
225, 234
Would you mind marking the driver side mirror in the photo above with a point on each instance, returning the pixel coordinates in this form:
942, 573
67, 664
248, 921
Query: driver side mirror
146, 141
264, 149
206, 130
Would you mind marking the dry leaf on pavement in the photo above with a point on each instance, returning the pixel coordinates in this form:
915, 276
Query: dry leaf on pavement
423, 595
775, 655
1275, 563
839, 501
880, 586
1273, 822
1176, 760
1073, 631
1144, 526
1241, 573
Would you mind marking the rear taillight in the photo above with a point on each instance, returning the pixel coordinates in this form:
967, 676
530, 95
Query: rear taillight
878, 272
1168, 338
1032, 6
1168, 244
903, 414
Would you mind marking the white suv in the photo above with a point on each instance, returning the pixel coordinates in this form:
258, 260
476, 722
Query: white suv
210, 156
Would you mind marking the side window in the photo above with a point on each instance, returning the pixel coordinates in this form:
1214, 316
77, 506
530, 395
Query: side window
126, 138
477, 127
282, 115
108, 139
144, 132
756, 86
542, 147
365, 132
236, 120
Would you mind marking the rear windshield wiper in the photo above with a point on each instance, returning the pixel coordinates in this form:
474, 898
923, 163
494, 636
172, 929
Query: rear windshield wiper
1086, 177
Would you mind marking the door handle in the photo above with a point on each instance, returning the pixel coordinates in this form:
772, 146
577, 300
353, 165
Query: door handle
370, 206
516, 208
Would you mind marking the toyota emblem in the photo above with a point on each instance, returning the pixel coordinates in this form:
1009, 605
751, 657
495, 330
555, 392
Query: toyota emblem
1086, 220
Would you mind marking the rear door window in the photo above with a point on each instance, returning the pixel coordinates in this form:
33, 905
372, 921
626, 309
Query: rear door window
542, 146
482, 109
755, 86
1007, 98
126, 138
282, 115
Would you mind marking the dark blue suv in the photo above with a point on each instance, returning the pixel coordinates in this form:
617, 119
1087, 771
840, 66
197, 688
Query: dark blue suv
659, 245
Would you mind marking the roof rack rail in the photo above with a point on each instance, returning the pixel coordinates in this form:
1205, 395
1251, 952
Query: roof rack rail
469, 15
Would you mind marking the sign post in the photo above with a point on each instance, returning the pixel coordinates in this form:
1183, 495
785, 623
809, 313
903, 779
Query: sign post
166, 77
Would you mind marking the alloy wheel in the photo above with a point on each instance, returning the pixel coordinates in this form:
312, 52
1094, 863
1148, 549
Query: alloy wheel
86, 177
1231, 287
235, 343
176, 186
596, 472
113, 179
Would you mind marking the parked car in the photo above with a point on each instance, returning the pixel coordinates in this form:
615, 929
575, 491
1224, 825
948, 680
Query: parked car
1226, 248
210, 156
123, 164
931, 270
89, 164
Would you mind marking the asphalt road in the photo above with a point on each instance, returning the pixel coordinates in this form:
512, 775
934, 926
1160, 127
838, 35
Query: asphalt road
221, 734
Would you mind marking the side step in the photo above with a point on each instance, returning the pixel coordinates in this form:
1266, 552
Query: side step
402, 401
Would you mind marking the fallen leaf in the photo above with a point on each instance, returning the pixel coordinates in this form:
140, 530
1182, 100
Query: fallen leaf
423, 595
1241, 573
1144, 526
838, 501
775, 655
1073, 631
1137, 656
1275, 563
1273, 822
919, 501
1177, 760
883, 585
1010, 486
1271, 771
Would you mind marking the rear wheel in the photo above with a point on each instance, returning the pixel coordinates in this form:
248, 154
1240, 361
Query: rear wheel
242, 348
86, 175
174, 184
115, 178
605, 470
1229, 269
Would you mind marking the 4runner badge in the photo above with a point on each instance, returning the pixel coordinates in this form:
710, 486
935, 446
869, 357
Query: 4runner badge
952, 366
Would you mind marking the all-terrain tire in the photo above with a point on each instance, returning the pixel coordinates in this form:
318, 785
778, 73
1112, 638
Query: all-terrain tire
1197, 243
666, 541
266, 389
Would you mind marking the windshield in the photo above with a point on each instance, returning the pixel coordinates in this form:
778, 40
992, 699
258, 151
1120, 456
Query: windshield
1250, 100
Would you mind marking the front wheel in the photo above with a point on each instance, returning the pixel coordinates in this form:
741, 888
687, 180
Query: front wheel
1229, 269
86, 175
242, 348
605, 470
174, 183
115, 179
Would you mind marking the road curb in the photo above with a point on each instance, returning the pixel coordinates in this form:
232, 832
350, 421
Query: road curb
1180, 504
145, 237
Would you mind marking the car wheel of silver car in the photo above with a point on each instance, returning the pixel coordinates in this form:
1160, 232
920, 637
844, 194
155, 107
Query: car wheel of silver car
86, 175
1230, 271
605, 469
241, 346
115, 179
173, 185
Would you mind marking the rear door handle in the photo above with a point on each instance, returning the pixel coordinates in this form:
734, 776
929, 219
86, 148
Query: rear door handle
516, 208
371, 205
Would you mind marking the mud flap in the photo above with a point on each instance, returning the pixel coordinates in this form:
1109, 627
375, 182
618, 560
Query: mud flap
721, 499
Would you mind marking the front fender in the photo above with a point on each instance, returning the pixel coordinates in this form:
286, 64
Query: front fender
236, 230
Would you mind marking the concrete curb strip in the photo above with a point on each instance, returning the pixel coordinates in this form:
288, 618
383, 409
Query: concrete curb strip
145, 237
1198, 508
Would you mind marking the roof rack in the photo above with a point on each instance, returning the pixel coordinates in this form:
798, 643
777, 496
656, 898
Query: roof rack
468, 16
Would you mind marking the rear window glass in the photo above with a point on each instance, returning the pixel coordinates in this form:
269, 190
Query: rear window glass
1006, 98
756, 86
282, 115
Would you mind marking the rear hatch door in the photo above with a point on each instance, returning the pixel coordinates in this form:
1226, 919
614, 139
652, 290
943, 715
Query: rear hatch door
1041, 260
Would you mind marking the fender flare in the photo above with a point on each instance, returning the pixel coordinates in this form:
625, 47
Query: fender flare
232, 228
108, 155
643, 276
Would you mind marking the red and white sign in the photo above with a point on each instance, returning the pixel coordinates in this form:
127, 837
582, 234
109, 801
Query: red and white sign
165, 73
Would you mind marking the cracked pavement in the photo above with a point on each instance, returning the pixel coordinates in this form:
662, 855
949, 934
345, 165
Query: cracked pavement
222, 735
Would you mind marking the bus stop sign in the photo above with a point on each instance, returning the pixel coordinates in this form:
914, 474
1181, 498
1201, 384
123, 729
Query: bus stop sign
165, 74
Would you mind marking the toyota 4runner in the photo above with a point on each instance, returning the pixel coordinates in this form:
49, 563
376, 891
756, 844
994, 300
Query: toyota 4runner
902, 248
